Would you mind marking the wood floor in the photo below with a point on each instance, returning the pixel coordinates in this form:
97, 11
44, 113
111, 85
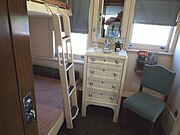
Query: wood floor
49, 102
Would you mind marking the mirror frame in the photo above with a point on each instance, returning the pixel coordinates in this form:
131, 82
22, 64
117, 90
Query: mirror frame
97, 8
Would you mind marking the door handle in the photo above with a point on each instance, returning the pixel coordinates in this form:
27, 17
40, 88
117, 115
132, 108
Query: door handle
29, 113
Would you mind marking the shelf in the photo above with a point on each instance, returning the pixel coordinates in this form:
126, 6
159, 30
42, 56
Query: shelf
145, 62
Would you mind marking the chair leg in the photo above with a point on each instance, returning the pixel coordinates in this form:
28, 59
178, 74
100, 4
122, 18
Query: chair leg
151, 129
155, 124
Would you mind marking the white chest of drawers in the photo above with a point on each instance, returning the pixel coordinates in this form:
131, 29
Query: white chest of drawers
103, 79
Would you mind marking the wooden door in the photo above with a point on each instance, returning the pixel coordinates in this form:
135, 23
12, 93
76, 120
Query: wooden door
15, 68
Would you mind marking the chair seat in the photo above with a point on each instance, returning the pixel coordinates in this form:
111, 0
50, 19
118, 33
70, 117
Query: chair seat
145, 105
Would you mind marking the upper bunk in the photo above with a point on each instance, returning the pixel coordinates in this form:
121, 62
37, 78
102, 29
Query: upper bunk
41, 9
42, 32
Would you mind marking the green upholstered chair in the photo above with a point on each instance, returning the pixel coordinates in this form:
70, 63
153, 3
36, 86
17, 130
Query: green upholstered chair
156, 78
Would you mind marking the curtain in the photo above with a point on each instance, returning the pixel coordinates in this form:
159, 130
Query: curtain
158, 12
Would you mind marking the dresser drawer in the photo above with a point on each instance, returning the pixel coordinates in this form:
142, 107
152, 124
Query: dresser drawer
104, 60
111, 98
103, 84
104, 72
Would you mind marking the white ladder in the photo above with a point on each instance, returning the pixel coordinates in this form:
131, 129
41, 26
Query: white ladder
66, 67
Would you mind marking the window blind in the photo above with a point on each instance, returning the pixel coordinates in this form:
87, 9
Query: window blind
80, 11
158, 12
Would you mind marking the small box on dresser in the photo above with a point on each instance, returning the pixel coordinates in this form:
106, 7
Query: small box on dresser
103, 79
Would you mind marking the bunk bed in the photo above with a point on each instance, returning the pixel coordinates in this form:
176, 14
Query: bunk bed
38, 9
48, 91
49, 104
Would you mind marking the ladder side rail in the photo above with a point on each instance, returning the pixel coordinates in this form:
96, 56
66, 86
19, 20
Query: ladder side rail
67, 49
58, 37
73, 83
67, 30
70, 49
66, 24
63, 45
67, 103
62, 71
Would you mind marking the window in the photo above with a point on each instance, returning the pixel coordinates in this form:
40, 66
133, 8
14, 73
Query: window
154, 24
157, 37
79, 27
79, 42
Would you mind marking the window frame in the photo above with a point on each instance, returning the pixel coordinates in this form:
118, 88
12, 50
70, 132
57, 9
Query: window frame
172, 42
152, 47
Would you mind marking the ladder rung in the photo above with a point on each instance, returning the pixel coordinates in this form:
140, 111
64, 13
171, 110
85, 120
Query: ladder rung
71, 89
66, 38
68, 66
74, 111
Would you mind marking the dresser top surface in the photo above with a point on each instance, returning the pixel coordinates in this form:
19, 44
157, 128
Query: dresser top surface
101, 53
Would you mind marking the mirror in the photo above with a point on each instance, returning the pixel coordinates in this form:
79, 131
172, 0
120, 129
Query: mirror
110, 19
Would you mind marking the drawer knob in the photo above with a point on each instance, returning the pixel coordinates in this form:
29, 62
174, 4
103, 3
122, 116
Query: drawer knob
102, 82
93, 59
115, 74
117, 61
104, 60
90, 95
103, 69
112, 97
113, 86
91, 83
92, 71
101, 93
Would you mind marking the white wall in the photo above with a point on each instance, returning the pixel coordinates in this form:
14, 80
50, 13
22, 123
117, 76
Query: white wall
174, 98
169, 122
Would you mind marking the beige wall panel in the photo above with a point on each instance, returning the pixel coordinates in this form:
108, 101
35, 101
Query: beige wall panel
41, 36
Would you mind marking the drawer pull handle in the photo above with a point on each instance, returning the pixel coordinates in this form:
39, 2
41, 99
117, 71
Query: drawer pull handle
112, 97
90, 95
113, 86
117, 61
92, 71
101, 93
91, 83
104, 60
102, 82
115, 74
103, 69
93, 59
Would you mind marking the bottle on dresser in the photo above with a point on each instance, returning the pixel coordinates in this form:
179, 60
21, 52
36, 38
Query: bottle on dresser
118, 46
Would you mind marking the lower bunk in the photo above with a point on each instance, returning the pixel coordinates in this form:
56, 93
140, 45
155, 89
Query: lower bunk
49, 104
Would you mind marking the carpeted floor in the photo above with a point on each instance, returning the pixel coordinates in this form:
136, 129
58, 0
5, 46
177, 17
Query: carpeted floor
99, 122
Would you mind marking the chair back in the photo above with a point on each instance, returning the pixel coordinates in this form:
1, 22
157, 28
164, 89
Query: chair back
158, 78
